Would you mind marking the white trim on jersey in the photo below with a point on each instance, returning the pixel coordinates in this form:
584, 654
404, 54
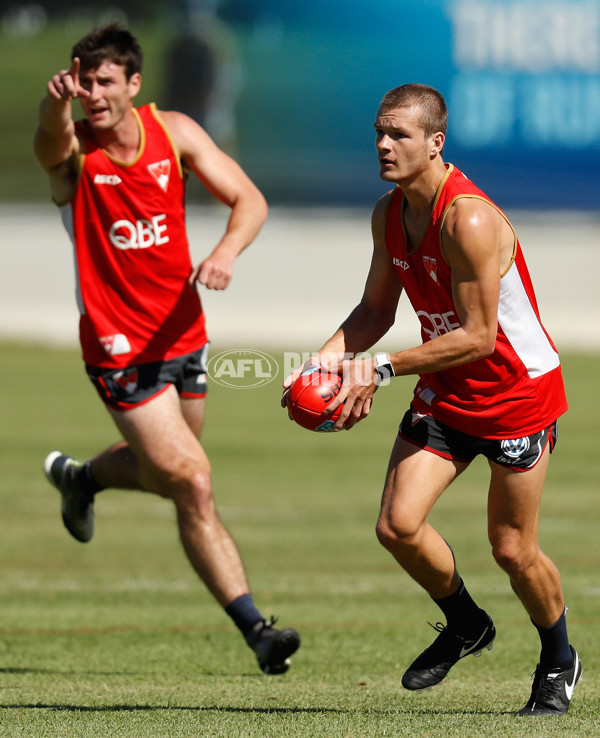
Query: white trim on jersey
66, 214
522, 327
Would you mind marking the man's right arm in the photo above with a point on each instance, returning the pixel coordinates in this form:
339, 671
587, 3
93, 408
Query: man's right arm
55, 143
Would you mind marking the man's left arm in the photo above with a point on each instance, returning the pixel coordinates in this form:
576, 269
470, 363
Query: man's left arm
227, 181
471, 242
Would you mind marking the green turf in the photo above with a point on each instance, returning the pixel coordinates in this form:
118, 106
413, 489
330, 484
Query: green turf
117, 638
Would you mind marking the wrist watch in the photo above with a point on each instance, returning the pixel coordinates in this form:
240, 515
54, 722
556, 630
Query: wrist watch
383, 368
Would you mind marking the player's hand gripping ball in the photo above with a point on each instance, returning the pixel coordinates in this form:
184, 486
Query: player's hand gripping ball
308, 397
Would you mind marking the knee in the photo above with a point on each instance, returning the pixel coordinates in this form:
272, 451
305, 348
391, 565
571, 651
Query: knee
514, 555
192, 494
395, 533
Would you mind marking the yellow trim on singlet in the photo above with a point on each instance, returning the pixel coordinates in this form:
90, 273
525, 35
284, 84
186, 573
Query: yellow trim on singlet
84, 133
141, 147
496, 208
163, 125
438, 192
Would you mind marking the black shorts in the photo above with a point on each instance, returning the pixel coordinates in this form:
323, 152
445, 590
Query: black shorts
519, 454
124, 389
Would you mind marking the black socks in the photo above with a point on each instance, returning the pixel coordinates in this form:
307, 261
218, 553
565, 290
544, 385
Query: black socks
463, 616
556, 651
89, 485
244, 613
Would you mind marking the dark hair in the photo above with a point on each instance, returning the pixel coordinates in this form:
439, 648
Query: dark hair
109, 43
432, 106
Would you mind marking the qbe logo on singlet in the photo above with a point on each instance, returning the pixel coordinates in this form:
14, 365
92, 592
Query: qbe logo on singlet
142, 234
436, 324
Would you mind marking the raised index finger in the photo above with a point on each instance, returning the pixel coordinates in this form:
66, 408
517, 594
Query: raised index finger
74, 73
74, 70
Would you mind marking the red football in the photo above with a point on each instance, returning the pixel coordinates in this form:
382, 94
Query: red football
308, 397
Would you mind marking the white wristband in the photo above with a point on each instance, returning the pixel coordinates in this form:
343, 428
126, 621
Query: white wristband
383, 368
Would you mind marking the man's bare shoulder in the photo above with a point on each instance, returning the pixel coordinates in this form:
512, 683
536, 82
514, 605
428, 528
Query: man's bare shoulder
469, 216
189, 137
379, 217
170, 117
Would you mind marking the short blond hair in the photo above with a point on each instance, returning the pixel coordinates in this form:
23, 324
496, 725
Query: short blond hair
433, 115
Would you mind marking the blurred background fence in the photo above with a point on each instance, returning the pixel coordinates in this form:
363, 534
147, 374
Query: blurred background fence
292, 88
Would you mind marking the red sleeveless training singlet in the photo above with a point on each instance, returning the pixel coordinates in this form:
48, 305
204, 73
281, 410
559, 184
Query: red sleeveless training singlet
127, 224
518, 390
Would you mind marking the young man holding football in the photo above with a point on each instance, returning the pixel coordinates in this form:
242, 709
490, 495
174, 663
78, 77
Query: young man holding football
118, 177
489, 382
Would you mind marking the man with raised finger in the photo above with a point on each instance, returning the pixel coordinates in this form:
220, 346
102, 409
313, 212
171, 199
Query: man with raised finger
118, 177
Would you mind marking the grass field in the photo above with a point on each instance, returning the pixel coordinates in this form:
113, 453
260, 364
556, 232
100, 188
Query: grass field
117, 637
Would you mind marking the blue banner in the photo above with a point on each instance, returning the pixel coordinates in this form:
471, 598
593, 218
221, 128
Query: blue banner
521, 79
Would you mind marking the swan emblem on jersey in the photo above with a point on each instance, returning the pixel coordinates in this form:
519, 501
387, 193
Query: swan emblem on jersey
430, 264
161, 170
115, 345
